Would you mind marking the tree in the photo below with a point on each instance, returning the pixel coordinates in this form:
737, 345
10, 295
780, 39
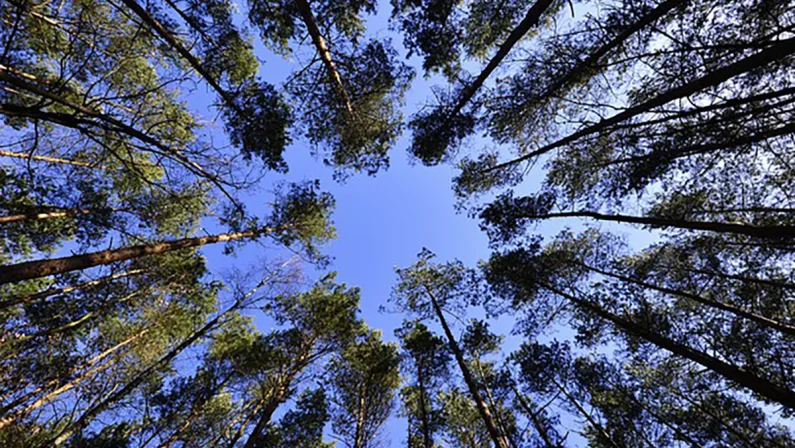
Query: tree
350, 91
425, 361
425, 289
362, 380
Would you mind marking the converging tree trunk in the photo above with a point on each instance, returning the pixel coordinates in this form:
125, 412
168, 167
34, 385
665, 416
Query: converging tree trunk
41, 268
744, 378
483, 410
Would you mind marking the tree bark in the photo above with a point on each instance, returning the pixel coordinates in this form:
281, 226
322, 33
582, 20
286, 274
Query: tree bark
764, 388
531, 19
23, 155
542, 432
592, 421
483, 410
584, 66
323, 51
64, 387
41, 268
87, 417
172, 41
767, 232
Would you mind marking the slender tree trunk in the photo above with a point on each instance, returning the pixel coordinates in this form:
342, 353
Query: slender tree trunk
682, 152
598, 427
661, 419
323, 51
41, 268
783, 231
586, 65
537, 424
759, 281
531, 19
485, 414
273, 403
88, 416
777, 51
358, 439
64, 387
493, 404
427, 440
67, 289
172, 41
45, 215
195, 410
782, 327
770, 391
26, 156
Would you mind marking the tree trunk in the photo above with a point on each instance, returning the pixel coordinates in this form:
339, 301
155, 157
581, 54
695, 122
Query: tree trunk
542, 432
782, 327
46, 215
358, 439
67, 289
586, 65
88, 416
273, 403
599, 428
427, 440
485, 414
531, 19
748, 380
23, 155
172, 41
65, 387
777, 51
768, 232
41, 268
323, 51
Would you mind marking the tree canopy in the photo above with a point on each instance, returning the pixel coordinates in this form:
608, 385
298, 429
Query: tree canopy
630, 162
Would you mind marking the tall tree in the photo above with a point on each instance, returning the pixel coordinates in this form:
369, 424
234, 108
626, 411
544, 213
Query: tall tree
363, 380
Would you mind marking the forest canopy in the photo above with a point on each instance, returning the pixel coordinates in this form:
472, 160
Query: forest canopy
631, 164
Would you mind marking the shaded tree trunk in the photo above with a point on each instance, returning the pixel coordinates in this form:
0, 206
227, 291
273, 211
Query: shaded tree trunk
483, 410
768, 390
768, 232
777, 51
537, 424
530, 20
737, 311
67, 289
